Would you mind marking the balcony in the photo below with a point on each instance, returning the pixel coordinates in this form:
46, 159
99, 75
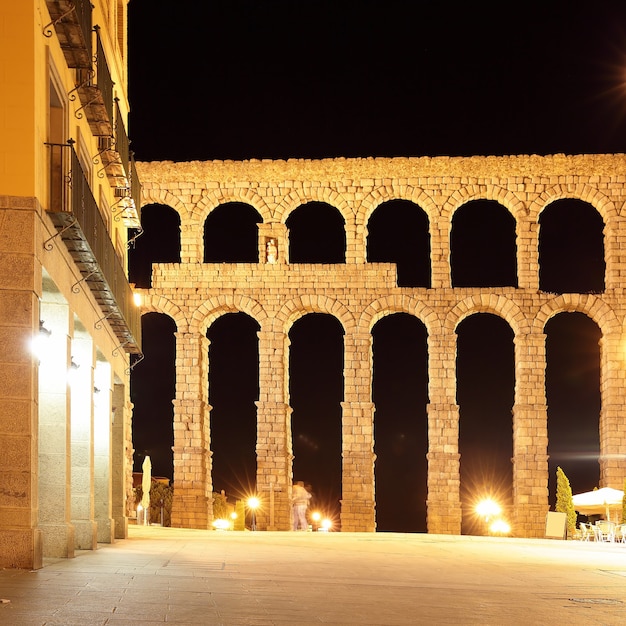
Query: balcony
71, 20
77, 218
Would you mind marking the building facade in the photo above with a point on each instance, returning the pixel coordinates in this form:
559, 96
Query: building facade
277, 292
70, 330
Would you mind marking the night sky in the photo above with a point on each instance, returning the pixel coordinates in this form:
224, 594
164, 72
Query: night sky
346, 78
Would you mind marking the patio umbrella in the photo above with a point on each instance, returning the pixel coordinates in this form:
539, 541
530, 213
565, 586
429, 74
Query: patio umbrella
599, 501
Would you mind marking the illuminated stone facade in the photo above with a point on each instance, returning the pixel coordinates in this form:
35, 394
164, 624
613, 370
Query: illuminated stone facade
65, 207
358, 293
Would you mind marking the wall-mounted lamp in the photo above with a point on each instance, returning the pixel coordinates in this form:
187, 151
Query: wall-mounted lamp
43, 331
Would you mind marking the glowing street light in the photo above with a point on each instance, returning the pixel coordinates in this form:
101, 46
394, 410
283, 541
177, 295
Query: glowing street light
253, 504
488, 509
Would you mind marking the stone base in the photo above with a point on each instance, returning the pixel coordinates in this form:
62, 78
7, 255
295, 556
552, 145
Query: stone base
106, 530
58, 540
21, 548
86, 534
121, 527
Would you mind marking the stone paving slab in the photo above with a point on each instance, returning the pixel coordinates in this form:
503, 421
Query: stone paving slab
163, 575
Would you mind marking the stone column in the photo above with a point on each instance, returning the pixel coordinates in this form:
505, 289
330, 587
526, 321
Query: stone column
20, 283
527, 254
440, 254
357, 492
612, 422
192, 505
530, 437
444, 481
273, 448
82, 442
191, 243
103, 461
54, 435
122, 455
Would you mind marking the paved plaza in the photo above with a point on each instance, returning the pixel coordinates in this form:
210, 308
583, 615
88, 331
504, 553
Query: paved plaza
163, 575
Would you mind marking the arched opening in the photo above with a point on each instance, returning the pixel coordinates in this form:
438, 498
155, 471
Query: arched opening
153, 411
571, 248
485, 394
316, 234
398, 233
400, 394
316, 393
231, 234
483, 246
159, 243
233, 390
574, 403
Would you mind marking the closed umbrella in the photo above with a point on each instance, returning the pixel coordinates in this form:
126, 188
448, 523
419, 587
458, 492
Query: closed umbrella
146, 483
599, 501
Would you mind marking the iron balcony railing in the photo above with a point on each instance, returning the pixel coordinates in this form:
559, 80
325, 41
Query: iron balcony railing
80, 225
121, 140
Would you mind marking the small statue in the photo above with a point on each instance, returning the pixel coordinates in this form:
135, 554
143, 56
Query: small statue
271, 251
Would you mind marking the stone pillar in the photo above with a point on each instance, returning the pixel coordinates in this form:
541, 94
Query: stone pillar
357, 484
440, 253
102, 440
121, 455
612, 422
20, 280
192, 505
273, 448
530, 437
82, 442
444, 478
54, 435
191, 243
527, 254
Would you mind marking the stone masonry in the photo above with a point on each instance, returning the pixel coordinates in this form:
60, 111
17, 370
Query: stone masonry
276, 293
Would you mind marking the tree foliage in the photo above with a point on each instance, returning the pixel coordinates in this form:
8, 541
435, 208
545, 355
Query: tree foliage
564, 501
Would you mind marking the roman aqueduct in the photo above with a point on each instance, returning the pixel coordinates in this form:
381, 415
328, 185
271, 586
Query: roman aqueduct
276, 292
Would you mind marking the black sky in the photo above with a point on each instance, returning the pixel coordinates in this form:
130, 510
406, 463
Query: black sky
285, 79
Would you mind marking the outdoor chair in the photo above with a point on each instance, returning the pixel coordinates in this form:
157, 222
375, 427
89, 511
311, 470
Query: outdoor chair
605, 531
586, 532
620, 533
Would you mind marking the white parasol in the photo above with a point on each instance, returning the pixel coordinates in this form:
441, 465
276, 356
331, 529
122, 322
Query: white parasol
146, 483
599, 501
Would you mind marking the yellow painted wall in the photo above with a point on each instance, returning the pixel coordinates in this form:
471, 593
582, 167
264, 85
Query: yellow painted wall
17, 98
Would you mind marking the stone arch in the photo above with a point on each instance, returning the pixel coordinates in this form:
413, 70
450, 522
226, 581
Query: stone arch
507, 198
604, 205
294, 309
592, 306
217, 306
380, 195
165, 197
389, 305
160, 304
211, 199
499, 305
300, 196
600, 202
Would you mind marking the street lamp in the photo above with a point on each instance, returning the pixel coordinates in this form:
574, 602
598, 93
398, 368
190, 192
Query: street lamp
253, 505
